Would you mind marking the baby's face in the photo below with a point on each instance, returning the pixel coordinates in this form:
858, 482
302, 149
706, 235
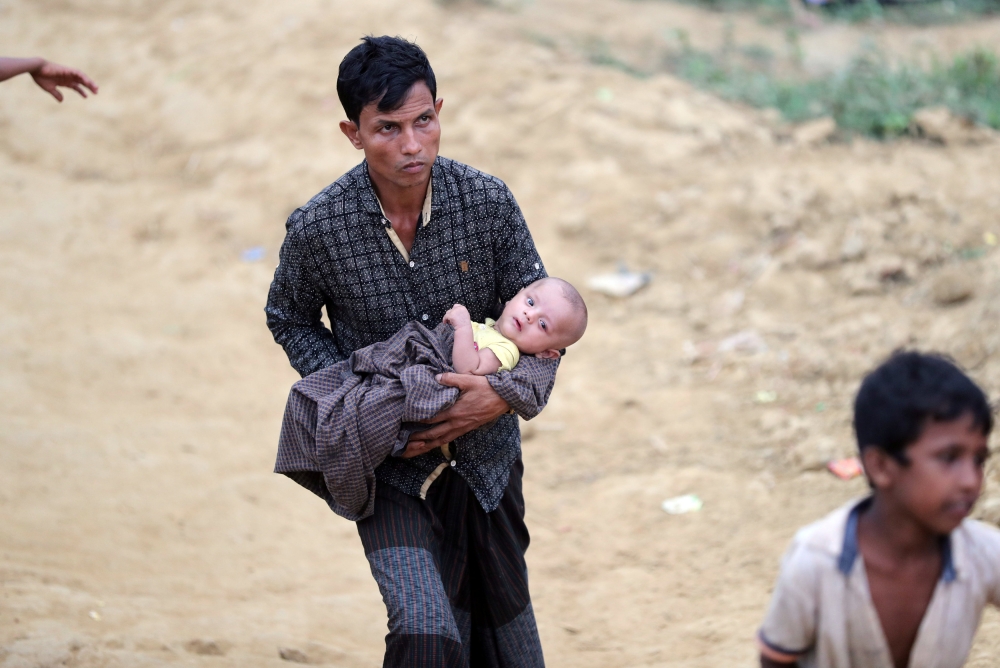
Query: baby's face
538, 318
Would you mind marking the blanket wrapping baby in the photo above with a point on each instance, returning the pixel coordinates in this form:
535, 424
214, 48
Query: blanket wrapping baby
341, 422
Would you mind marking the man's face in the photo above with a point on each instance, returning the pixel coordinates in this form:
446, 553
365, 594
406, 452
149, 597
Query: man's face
944, 476
537, 319
400, 146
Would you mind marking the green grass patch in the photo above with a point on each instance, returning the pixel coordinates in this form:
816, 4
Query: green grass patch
870, 97
913, 12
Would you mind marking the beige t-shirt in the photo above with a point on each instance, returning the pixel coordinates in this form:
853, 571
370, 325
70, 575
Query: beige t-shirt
821, 612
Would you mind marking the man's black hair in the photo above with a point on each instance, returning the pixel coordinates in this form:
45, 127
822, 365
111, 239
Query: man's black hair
910, 389
382, 69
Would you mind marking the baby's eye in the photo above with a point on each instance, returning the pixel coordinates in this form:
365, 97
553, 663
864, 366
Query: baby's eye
543, 324
531, 302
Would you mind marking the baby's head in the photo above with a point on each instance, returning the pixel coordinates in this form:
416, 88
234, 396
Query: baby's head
544, 317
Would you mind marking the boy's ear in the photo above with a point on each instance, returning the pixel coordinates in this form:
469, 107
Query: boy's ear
549, 354
880, 466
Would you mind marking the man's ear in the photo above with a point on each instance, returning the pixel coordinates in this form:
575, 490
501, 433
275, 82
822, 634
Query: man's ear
549, 354
880, 466
350, 130
437, 105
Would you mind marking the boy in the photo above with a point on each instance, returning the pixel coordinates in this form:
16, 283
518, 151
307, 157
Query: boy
900, 577
541, 319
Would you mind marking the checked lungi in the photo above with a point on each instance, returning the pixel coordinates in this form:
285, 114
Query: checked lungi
453, 577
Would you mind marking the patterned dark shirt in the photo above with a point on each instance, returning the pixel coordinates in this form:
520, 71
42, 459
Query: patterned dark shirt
476, 250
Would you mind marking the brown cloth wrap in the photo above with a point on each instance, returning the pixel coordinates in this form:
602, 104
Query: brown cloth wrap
341, 422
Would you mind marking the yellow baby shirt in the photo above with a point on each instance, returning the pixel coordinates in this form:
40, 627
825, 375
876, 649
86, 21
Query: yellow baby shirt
486, 336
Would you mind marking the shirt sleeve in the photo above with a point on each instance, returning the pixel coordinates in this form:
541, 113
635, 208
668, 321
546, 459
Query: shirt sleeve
789, 628
517, 261
294, 305
987, 554
527, 386
506, 352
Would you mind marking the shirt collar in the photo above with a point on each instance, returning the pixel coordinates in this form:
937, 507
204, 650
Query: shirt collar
425, 211
849, 551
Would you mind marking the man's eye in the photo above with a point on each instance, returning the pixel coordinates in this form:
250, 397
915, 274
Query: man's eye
387, 127
425, 118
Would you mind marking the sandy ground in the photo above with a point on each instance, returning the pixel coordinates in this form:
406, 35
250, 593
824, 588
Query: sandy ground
141, 393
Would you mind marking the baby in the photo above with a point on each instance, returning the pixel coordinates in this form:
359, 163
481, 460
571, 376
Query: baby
541, 319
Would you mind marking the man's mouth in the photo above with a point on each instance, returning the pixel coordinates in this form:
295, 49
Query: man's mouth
413, 167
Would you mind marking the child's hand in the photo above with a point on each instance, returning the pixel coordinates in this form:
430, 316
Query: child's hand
49, 75
458, 316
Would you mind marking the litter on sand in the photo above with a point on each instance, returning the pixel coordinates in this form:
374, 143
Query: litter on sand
765, 396
622, 283
679, 505
253, 254
747, 341
845, 469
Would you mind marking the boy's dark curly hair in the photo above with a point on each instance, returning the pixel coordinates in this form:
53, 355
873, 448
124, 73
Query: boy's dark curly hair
907, 391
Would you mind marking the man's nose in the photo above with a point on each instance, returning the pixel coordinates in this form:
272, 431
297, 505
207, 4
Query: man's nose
410, 144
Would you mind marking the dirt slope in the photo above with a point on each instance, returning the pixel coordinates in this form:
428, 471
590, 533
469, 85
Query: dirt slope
140, 392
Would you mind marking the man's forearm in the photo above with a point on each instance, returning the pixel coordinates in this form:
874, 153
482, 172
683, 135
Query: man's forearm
11, 67
309, 348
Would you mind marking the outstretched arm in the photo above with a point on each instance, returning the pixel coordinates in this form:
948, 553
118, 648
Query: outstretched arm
48, 75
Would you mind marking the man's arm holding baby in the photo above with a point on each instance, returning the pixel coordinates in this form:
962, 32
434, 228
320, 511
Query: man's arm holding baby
465, 357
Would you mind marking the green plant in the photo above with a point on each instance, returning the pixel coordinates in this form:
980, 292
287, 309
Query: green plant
870, 97
914, 12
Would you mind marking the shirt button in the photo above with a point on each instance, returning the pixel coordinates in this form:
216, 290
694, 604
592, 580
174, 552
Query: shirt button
536, 265
454, 463
424, 316
412, 264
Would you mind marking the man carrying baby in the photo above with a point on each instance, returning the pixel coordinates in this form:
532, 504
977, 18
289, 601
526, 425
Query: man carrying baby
404, 236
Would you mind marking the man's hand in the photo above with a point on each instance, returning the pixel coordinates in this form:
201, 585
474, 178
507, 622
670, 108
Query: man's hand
477, 405
457, 316
49, 75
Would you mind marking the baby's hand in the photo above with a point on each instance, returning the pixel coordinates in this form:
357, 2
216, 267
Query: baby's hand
458, 316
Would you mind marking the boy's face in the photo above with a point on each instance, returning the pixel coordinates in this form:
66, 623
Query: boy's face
944, 476
537, 319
